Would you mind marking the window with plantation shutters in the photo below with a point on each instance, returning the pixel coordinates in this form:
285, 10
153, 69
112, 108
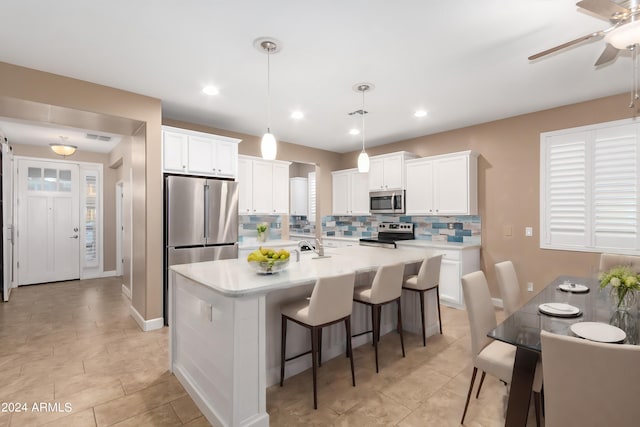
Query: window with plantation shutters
589, 188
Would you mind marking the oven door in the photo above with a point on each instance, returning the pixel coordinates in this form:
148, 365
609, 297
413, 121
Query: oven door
386, 202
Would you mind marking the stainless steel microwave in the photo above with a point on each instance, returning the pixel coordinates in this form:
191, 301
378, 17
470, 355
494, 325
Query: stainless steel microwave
387, 202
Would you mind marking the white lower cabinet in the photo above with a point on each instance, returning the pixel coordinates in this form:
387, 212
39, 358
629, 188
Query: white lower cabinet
350, 193
263, 186
455, 264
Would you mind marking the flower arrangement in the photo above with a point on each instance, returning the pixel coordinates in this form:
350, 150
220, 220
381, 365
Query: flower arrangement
262, 230
624, 283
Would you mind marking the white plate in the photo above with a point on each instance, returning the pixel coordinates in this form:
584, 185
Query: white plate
596, 331
574, 287
559, 309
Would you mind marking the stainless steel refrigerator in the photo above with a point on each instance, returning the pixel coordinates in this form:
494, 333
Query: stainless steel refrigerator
201, 222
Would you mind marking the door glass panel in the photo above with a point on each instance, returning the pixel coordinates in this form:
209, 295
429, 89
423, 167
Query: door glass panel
64, 180
91, 205
34, 179
50, 182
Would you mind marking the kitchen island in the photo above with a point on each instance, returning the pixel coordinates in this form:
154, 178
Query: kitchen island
225, 325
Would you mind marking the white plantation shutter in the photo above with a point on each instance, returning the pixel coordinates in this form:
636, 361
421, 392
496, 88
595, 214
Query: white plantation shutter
615, 188
590, 188
566, 191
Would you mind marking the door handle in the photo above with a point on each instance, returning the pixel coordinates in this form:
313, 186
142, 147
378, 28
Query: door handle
74, 237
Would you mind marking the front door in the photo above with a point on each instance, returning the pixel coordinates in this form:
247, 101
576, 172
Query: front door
48, 214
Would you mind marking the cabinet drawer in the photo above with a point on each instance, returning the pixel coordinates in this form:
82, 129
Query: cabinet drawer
450, 255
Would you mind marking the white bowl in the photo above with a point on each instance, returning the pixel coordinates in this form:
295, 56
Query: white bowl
269, 267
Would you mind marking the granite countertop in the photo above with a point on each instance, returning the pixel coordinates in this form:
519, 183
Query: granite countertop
342, 238
275, 243
235, 278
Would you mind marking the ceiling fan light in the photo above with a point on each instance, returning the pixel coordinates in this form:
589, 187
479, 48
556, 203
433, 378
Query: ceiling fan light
363, 162
63, 149
269, 146
624, 36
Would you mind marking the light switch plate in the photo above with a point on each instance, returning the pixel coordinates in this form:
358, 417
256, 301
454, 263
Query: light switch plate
528, 231
530, 286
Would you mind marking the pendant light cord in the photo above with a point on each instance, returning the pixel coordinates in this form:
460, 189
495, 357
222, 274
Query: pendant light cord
268, 88
363, 113
634, 82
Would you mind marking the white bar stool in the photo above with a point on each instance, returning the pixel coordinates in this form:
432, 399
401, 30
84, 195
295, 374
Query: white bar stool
330, 302
386, 288
427, 279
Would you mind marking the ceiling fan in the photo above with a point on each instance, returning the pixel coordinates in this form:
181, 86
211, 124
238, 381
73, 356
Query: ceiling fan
624, 32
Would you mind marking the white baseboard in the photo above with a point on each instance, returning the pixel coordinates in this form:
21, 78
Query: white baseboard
126, 291
497, 302
146, 325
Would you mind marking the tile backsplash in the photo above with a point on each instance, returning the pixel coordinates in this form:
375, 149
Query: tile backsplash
456, 229
301, 224
247, 226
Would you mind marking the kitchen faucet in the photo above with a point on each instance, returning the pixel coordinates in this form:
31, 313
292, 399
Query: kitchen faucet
318, 247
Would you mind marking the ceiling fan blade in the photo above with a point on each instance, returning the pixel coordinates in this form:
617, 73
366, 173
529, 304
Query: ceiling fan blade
609, 54
565, 45
605, 8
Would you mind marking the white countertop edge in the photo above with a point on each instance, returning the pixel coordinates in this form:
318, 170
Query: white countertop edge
276, 243
438, 245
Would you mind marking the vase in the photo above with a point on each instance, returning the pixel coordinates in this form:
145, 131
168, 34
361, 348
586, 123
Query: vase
262, 236
625, 299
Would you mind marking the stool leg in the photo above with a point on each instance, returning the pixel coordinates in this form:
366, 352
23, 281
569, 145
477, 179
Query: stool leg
424, 333
373, 328
400, 326
481, 382
376, 326
319, 346
438, 302
314, 350
347, 324
283, 346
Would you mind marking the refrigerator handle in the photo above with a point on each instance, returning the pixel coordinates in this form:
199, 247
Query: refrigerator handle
206, 211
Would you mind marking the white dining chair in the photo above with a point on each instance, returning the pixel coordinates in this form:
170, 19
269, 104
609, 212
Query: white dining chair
494, 357
509, 287
590, 384
330, 302
608, 261
427, 279
386, 288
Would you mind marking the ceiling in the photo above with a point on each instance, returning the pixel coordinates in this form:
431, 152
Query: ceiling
465, 62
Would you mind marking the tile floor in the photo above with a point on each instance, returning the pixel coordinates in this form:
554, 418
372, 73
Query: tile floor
75, 343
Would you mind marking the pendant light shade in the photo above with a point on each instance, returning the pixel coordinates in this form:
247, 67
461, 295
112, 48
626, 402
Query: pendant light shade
269, 145
363, 162
624, 36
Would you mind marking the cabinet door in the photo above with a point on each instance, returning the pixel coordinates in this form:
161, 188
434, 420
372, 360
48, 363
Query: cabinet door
174, 152
376, 174
451, 184
280, 188
340, 198
262, 180
201, 156
393, 173
298, 196
245, 186
419, 188
359, 193
450, 287
226, 158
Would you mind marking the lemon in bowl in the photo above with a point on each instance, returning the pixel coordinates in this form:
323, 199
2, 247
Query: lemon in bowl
268, 261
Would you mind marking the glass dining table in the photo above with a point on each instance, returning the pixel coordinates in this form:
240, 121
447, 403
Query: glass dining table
522, 329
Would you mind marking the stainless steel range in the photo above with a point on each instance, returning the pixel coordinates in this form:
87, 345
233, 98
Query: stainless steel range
389, 233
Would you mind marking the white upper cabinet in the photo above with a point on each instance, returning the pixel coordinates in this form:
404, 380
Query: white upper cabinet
387, 172
299, 196
350, 192
443, 185
198, 153
263, 186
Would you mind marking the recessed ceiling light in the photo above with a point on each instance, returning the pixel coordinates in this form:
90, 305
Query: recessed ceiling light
354, 131
210, 90
420, 113
297, 115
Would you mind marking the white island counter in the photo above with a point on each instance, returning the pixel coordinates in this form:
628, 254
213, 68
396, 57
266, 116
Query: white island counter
225, 325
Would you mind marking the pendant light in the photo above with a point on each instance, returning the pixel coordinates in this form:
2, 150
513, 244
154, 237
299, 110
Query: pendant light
62, 148
268, 146
363, 158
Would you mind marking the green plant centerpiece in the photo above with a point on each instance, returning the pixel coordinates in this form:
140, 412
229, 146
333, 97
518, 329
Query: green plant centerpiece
262, 230
624, 283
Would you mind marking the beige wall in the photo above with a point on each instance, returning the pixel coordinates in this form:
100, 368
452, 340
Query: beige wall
18, 83
509, 184
108, 197
120, 162
326, 161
